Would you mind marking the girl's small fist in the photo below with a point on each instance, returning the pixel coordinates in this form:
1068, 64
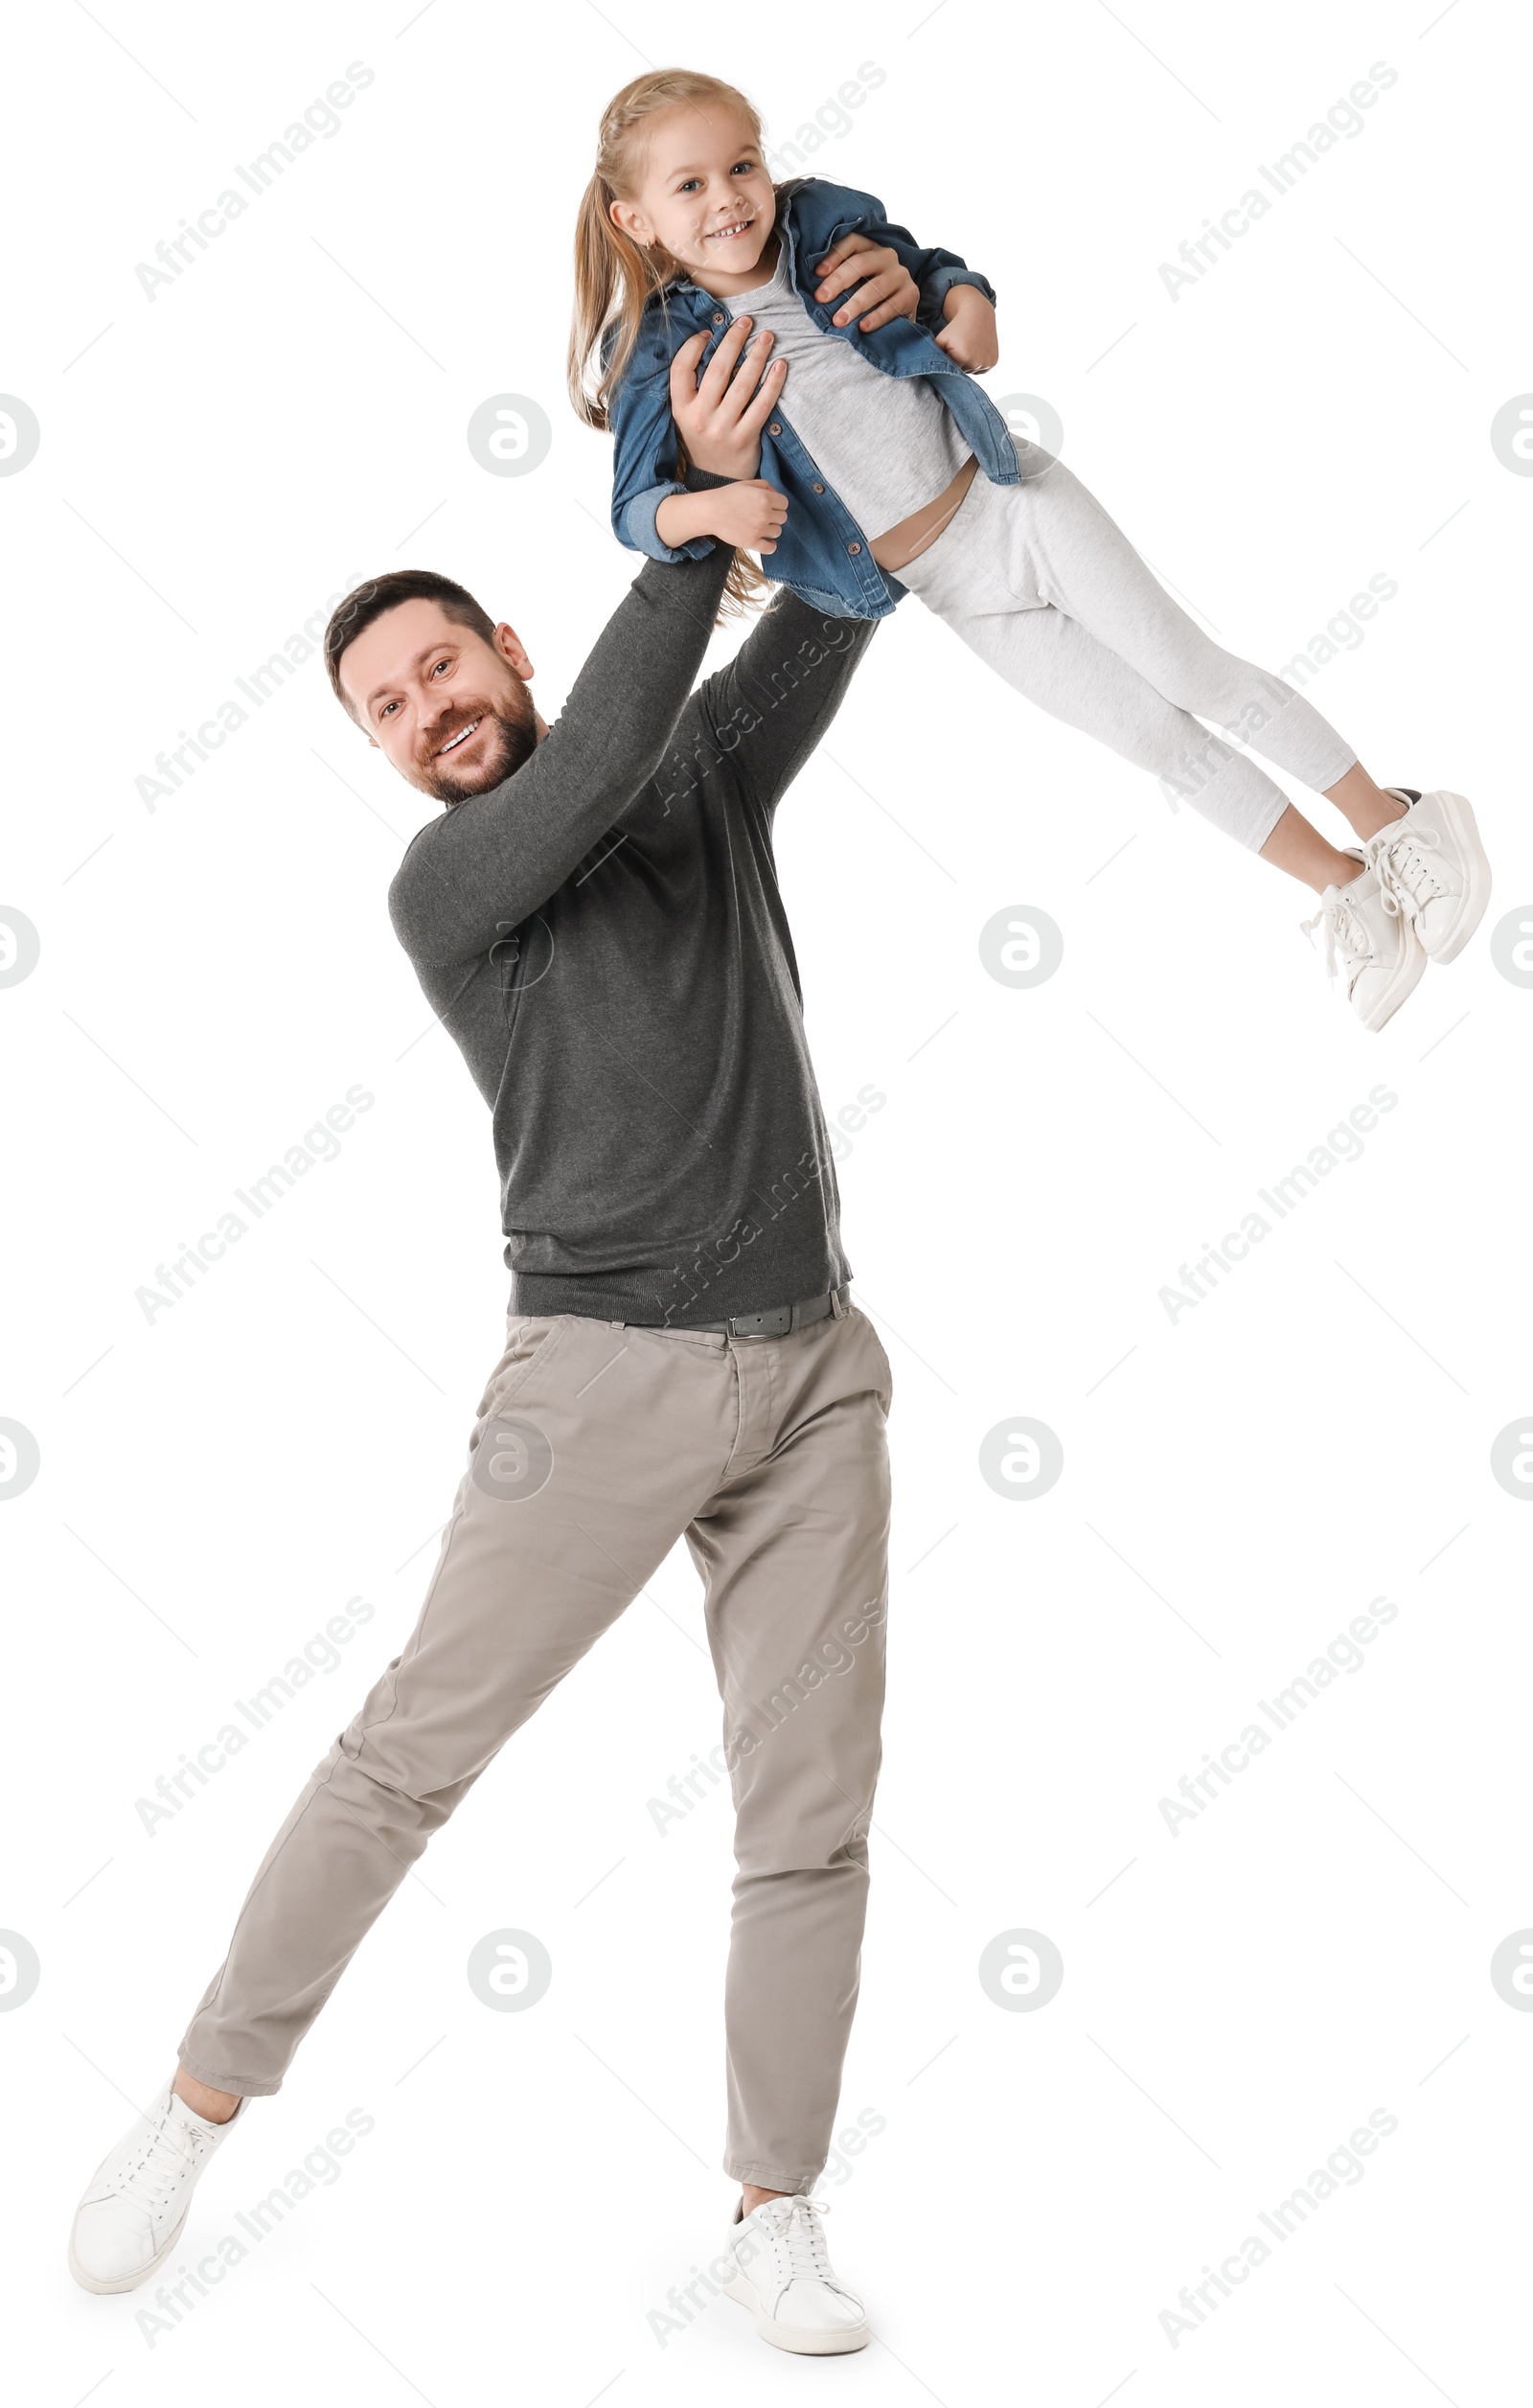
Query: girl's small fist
969, 335
749, 515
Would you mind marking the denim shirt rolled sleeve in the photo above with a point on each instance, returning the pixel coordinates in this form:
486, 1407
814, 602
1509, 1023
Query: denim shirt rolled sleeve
945, 270
640, 533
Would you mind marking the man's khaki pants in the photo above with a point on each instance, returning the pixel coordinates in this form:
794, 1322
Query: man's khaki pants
596, 1445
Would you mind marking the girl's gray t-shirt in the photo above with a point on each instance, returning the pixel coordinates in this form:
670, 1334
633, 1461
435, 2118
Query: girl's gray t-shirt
885, 444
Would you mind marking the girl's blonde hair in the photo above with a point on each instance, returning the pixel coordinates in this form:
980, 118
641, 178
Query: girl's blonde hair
615, 276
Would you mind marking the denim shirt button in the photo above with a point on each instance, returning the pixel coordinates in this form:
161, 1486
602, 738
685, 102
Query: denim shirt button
816, 487
775, 428
854, 549
718, 317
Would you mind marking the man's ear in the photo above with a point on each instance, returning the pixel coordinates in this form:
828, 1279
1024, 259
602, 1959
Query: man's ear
509, 645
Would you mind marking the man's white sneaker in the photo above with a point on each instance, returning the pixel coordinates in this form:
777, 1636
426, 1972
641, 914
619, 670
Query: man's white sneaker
780, 2271
136, 2202
1433, 867
1375, 943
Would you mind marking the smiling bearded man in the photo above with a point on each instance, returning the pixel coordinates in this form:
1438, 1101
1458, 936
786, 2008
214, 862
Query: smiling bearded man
478, 723
605, 940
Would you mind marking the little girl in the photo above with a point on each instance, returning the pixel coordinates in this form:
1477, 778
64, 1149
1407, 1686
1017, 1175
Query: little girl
891, 471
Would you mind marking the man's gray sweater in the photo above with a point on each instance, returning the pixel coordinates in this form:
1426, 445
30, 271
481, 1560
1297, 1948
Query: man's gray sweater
603, 937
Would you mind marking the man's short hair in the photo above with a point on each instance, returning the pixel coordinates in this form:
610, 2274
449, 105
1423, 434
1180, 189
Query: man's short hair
370, 600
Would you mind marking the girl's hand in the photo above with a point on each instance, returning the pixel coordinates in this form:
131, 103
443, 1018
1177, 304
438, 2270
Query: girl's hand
748, 514
969, 335
890, 290
721, 419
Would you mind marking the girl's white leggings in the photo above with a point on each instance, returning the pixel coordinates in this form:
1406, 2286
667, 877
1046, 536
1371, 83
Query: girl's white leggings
1039, 581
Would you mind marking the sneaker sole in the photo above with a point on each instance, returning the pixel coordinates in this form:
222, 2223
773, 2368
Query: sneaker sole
1460, 820
123, 2281
805, 2341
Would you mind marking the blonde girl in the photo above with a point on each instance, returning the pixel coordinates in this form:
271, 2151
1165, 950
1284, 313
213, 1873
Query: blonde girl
862, 461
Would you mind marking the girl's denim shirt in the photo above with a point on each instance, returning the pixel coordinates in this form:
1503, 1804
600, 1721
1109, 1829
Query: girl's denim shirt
821, 553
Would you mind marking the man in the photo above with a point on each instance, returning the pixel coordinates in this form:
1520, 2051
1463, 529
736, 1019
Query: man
596, 919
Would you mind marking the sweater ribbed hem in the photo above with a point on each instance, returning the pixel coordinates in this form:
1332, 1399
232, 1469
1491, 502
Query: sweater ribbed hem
762, 1292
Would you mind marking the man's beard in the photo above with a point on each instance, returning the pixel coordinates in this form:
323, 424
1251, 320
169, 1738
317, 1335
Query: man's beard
511, 739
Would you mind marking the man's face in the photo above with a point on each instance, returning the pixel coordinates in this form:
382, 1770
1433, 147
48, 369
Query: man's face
452, 711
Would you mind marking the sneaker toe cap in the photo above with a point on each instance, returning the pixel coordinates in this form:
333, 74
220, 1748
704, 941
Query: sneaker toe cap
1437, 920
111, 2240
811, 2307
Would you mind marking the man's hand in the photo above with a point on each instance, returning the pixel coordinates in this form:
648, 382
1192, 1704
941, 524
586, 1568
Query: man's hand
890, 290
969, 336
721, 419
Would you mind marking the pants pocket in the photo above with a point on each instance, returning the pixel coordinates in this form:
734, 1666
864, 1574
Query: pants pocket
527, 1340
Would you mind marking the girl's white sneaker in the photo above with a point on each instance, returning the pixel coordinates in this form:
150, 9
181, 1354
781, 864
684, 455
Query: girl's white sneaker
779, 2270
1432, 869
1372, 942
137, 2200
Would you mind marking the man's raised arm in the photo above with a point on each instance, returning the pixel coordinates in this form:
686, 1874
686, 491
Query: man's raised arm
498, 855
768, 708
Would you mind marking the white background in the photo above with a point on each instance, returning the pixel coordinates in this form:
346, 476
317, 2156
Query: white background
1237, 1486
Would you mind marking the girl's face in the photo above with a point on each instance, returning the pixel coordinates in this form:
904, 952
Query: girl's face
704, 195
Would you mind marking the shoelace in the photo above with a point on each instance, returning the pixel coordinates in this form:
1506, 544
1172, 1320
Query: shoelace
797, 2228
1401, 860
167, 2154
1346, 933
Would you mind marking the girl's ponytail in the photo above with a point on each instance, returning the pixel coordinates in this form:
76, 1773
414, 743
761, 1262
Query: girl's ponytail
613, 280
